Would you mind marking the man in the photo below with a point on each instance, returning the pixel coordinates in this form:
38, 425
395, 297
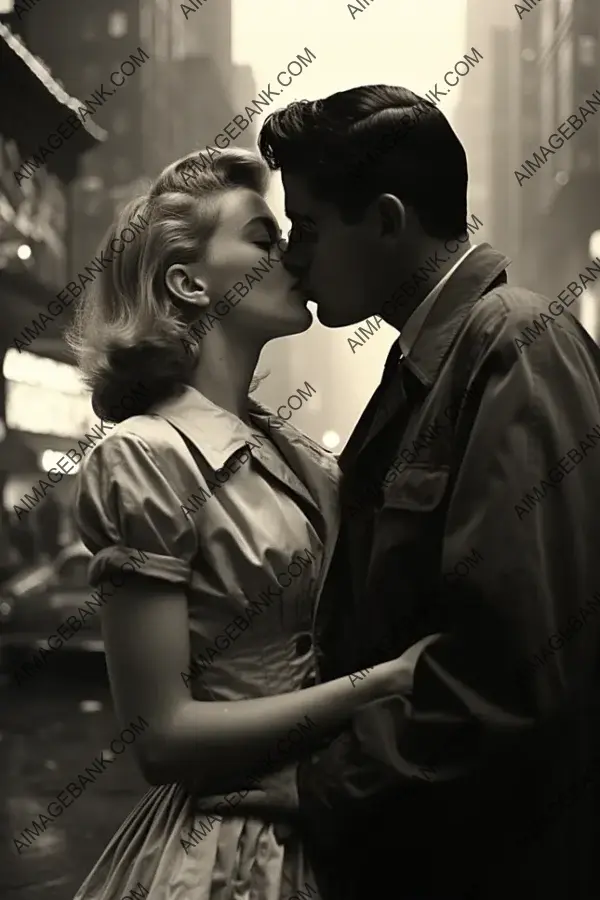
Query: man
470, 500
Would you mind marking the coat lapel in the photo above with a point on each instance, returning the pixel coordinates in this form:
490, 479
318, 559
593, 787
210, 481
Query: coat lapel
388, 399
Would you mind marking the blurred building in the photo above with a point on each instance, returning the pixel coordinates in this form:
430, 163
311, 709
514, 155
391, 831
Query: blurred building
543, 64
34, 234
503, 215
92, 42
185, 92
243, 86
569, 182
179, 96
34, 183
189, 100
474, 119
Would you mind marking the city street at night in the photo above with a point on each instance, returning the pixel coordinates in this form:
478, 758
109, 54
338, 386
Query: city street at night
53, 727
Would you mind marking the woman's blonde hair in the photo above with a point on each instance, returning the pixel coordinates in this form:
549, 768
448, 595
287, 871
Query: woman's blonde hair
126, 328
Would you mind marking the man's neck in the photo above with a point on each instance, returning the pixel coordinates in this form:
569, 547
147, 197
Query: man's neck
410, 292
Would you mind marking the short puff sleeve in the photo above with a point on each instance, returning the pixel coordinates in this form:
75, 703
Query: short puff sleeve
129, 514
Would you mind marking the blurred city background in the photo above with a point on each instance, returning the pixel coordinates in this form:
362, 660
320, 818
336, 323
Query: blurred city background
204, 62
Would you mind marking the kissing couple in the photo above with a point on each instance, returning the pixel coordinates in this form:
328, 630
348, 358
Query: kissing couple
380, 727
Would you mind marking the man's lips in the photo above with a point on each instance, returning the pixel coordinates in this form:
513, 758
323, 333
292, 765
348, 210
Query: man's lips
302, 290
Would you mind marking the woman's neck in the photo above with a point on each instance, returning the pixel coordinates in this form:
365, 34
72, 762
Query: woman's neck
224, 373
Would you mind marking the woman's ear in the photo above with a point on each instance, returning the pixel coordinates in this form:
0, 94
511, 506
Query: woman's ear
184, 285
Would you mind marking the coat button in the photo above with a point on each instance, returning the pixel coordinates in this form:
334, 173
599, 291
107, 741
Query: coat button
303, 644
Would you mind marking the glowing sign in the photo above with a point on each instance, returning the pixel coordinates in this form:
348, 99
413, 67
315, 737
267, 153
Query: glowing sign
27, 368
44, 396
42, 410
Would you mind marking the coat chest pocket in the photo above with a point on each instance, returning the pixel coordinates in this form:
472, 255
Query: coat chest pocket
407, 549
416, 489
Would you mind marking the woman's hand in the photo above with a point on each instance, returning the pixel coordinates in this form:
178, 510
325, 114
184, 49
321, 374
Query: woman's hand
396, 676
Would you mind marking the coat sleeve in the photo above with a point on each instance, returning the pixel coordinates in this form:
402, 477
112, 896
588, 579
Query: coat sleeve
480, 693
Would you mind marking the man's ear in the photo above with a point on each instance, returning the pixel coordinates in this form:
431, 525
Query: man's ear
391, 215
185, 285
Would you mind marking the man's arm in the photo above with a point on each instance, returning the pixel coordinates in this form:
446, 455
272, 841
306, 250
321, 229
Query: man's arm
476, 698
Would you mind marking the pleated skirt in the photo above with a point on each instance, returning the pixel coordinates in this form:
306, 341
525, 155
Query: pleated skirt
166, 850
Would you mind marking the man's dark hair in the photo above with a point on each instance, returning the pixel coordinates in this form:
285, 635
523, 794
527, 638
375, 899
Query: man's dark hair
370, 140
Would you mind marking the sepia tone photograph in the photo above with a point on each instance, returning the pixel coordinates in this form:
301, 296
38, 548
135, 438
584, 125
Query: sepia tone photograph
299, 445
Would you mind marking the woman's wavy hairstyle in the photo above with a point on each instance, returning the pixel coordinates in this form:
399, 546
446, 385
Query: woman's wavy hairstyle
126, 330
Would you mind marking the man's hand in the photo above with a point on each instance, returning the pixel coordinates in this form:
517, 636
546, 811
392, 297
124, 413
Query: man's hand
273, 797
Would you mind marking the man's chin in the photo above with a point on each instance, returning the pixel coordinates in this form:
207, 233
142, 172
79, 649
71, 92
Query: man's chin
325, 318
330, 321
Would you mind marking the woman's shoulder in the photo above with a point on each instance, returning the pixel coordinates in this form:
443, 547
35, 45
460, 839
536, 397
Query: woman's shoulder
146, 433
141, 442
131, 493
148, 430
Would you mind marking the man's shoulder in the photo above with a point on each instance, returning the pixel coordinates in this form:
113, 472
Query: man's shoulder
509, 314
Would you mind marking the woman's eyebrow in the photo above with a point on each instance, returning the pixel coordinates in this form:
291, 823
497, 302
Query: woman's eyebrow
263, 220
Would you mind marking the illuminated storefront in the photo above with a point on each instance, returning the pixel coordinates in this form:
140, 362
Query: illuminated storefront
33, 222
39, 411
45, 397
34, 207
49, 408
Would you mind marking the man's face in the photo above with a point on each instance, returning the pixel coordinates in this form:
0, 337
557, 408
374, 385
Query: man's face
347, 270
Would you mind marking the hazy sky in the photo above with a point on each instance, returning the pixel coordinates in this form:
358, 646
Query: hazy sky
407, 42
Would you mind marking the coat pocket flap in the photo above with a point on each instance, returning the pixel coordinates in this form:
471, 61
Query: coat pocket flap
417, 489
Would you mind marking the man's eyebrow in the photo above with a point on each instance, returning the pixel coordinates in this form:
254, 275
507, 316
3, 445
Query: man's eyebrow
292, 214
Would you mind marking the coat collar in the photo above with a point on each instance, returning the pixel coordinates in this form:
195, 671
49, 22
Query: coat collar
304, 466
468, 283
414, 324
218, 432
481, 268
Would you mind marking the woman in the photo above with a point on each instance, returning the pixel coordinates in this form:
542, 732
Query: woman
234, 516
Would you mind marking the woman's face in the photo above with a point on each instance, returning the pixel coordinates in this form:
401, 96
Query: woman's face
250, 291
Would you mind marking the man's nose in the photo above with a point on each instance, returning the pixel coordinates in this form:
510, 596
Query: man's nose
292, 264
295, 258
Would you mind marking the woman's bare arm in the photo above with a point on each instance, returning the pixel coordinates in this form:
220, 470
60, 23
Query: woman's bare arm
212, 745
